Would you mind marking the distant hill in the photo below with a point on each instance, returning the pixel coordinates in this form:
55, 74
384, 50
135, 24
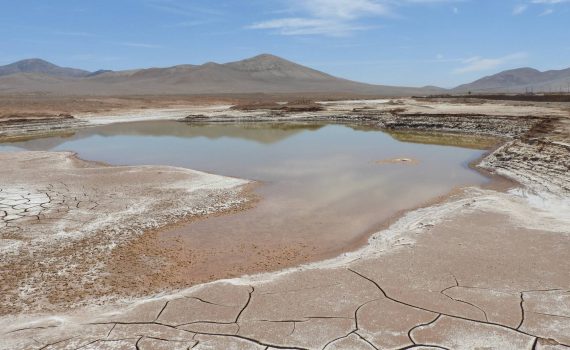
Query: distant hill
39, 66
260, 74
520, 80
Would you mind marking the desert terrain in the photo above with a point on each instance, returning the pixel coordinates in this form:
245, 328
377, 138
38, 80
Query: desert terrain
296, 175
482, 267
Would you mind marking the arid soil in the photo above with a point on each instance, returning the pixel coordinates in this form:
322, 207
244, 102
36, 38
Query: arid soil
483, 269
470, 273
59, 229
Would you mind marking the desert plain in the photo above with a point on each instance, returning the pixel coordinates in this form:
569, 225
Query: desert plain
482, 267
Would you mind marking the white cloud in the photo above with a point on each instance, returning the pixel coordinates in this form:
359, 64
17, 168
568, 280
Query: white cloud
547, 12
344, 9
519, 9
403, 2
325, 17
333, 17
307, 26
477, 64
549, 2
543, 3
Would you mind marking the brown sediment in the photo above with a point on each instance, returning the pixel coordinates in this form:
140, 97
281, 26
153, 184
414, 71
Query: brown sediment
23, 126
147, 265
54, 104
286, 107
180, 264
446, 139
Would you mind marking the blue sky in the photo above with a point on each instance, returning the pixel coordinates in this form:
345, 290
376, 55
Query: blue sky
396, 42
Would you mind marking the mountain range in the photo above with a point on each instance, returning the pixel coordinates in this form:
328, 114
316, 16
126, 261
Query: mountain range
38, 66
260, 74
521, 80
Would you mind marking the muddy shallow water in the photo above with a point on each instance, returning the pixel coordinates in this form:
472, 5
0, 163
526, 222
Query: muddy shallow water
322, 187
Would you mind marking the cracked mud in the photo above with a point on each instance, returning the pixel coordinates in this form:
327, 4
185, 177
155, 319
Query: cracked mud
450, 303
56, 231
482, 270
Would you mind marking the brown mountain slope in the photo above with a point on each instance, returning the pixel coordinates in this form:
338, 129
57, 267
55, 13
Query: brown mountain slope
260, 74
521, 80
38, 66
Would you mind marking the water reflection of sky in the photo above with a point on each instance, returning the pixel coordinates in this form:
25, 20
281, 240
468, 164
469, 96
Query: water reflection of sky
318, 180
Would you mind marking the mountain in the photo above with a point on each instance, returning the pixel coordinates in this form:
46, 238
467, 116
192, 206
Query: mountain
260, 74
268, 66
521, 80
39, 66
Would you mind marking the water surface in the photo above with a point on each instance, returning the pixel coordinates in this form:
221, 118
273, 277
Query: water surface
321, 185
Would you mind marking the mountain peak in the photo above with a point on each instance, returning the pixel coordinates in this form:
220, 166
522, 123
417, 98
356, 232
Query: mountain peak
273, 66
33, 61
263, 61
266, 57
32, 65
210, 64
523, 70
519, 80
40, 66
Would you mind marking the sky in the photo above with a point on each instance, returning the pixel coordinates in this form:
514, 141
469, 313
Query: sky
392, 42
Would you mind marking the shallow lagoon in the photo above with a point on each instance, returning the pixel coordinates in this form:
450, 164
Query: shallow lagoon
321, 185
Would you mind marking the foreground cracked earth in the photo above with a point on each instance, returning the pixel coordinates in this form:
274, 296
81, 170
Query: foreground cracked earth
58, 229
500, 281
20, 203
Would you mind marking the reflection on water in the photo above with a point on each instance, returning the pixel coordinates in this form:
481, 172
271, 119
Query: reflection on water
446, 139
321, 183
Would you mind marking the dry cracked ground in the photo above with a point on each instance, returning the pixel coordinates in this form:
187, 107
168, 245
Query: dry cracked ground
480, 271
484, 269
60, 217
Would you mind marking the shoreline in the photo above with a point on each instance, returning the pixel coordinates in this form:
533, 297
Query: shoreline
250, 197
79, 211
496, 182
399, 236
153, 239
403, 230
